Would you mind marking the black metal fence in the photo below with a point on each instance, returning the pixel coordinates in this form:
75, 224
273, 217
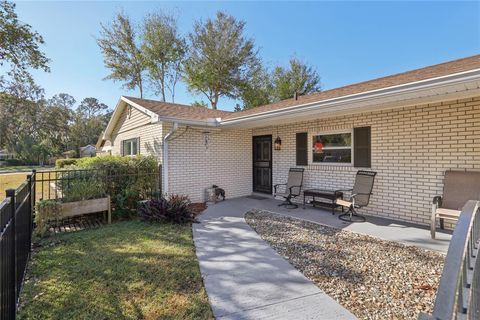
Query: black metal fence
17, 212
67, 184
458, 294
16, 223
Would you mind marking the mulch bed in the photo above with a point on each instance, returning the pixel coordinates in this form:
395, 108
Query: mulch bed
373, 278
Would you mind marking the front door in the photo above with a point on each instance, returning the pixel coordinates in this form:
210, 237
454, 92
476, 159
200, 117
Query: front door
262, 164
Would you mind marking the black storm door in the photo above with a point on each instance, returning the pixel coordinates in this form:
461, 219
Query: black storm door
262, 164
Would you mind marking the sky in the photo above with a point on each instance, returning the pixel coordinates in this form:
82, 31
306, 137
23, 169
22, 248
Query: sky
346, 42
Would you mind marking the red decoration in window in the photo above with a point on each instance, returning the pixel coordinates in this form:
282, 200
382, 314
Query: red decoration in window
318, 146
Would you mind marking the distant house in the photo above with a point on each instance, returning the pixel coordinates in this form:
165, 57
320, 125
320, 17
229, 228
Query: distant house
4, 155
88, 151
409, 128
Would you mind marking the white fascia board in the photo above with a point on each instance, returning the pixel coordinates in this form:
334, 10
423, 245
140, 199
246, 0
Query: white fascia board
346, 102
119, 108
151, 114
100, 139
210, 122
113, 119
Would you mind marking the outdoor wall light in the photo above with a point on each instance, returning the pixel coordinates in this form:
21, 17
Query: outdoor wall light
278, 143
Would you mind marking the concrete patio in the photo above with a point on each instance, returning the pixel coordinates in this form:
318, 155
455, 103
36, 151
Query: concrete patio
246, 279
387, 229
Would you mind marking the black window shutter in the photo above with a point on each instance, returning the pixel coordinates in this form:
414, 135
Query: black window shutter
302, 149
122, 147
138, 145
362, 149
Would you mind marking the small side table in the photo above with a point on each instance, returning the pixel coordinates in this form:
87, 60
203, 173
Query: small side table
330, 195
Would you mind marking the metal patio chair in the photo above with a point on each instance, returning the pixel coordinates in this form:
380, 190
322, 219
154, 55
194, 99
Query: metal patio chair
293, 187
458, 188
359, 198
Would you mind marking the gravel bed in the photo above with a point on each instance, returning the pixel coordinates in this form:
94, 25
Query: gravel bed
373, 278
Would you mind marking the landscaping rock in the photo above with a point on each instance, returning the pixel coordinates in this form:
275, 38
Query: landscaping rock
373, 278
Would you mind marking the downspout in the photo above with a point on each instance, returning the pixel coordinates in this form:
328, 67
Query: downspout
165, 155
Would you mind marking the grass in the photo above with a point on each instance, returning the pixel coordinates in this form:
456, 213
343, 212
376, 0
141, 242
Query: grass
127, 270
10, 181
23, 168
13, 180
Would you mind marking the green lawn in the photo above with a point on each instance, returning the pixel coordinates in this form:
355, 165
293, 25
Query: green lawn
127, 270
24, 168
10, 181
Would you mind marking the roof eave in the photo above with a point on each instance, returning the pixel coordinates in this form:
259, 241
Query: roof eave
210, 122
119, 108
339, 103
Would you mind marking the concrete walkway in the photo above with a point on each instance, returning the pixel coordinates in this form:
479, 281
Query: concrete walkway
246, 279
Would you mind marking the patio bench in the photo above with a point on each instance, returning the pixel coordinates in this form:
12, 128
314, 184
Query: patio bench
458, 188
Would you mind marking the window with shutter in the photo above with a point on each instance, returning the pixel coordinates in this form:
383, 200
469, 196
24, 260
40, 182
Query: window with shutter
302, 148
332, 147
362, 147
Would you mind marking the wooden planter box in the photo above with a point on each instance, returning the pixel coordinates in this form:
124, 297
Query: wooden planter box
77, 208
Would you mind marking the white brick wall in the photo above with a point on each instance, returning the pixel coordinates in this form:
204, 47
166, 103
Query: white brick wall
411, 148
226, 162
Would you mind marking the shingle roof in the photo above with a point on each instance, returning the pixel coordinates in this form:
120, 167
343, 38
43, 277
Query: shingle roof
198, 113
179, 111
438, 70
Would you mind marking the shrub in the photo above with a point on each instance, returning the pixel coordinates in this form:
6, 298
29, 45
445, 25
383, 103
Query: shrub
178, 209
117, 163
46, 211
152, 210
126, 179
78, 185
14, 162
62, 163
174, 208
125, 201
83, 189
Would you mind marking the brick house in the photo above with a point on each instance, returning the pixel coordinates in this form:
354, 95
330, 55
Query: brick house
408, 127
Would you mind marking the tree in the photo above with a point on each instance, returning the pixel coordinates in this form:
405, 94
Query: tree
122, 54
62, 100
90, 118
21, 117
221, 59
91, 107
200, 103
164, 52
299, 77
256, 92
58, 116
20, 99
19, 44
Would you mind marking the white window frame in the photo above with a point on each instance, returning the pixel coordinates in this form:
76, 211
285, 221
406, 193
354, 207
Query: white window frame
130, 141
324, 133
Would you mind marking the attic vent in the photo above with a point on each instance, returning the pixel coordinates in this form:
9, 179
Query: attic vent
129, 112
